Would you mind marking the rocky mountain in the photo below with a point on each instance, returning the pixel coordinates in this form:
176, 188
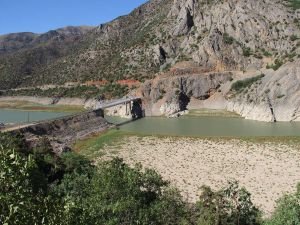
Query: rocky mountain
184, 44
17, 41
23, 55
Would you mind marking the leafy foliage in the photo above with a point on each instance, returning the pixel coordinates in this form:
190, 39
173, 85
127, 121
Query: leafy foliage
294, 4
37, 187
242, 84
228, 39
229, 206
118, 194
247, 51
277, 64
287, 211
22, 194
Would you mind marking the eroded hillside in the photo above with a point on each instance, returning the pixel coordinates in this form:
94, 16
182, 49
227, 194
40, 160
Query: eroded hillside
192, 49
217, 35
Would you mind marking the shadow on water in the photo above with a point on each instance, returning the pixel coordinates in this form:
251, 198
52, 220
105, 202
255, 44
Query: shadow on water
125, 122
119, 121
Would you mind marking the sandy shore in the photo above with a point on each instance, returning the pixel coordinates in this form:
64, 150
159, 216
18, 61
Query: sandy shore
267, 170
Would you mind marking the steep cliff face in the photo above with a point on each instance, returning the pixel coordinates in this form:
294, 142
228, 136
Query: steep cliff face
217, 35
275, 97
171, 92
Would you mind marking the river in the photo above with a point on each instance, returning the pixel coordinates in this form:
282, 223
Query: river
208, 126
183, 126
18, 116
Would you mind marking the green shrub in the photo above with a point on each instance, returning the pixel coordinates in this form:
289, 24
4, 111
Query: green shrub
228, 39
114, 193
277, 64
294, 37
24, 195
111, 193
294, 4
287, 211
280, 96
266, 53
231, 205
247, 52
240, 85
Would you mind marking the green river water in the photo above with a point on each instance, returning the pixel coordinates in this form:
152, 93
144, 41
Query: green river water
18, 116
183, 126
208, 126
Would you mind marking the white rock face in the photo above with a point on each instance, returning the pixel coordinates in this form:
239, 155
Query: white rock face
120, 111
169, 108
251, 111
282, 87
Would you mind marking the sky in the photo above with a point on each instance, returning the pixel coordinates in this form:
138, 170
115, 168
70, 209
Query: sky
40, 16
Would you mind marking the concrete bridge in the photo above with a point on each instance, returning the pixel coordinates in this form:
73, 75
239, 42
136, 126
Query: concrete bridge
64, 131
133, 105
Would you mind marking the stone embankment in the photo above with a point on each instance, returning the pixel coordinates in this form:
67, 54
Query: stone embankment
62, 132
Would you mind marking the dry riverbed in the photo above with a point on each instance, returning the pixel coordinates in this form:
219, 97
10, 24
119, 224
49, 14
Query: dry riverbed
267, 169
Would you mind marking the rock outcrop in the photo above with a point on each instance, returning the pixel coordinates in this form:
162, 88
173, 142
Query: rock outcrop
169, 94
214, 37
276, 96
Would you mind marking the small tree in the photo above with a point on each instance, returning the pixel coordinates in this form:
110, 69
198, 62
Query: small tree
287, 211
22, 198
230, 206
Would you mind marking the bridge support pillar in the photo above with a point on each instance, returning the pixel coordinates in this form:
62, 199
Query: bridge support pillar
136, 109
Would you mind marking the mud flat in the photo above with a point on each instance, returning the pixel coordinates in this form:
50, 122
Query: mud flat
268, 169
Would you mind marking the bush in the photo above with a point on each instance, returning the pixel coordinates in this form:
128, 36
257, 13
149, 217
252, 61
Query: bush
294, 4
114, 193
246, 52
266, 53
231, 205
228, 39
118, 194
277, 64
287, 211
294, 37
23, 196
242, 84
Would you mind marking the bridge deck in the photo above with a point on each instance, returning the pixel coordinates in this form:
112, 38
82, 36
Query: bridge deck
113, 103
